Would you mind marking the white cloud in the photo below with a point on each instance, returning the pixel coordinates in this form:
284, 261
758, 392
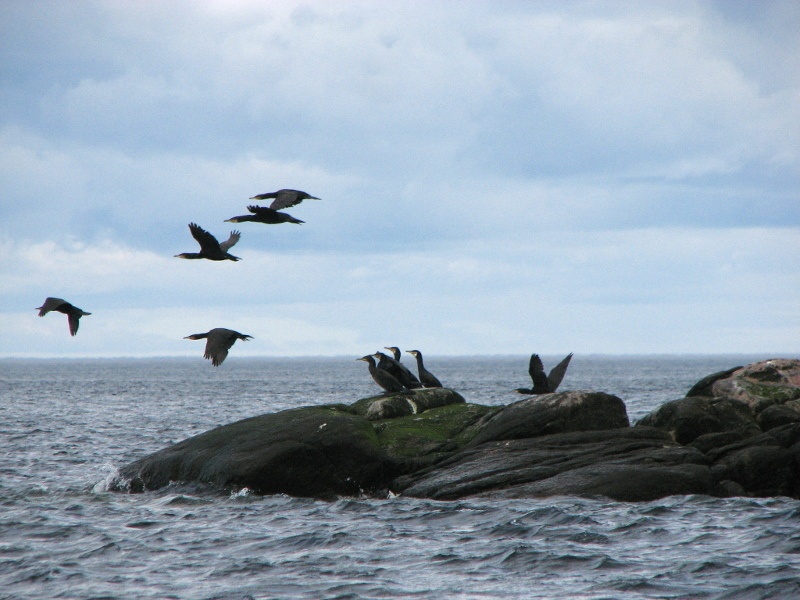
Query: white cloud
633, 291
589, 176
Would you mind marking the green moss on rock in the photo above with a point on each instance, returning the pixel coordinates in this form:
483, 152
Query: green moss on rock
431, 433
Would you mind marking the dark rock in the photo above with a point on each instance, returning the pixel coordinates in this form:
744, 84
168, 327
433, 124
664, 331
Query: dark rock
710, 441
626, 464
777, 415
553, 413
432, 444
727, 489
689, 418
760, 470
312, 452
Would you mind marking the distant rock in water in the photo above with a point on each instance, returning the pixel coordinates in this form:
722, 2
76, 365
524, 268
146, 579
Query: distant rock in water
736, 435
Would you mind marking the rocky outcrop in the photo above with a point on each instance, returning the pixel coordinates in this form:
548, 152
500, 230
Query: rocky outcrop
313, 452
738, 433
624, 464
689, 418
553, 413
760, 385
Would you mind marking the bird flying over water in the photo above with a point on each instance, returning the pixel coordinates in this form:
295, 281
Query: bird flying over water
262, 214
545, 384
210, 248
218, 342
57, 304
284, 198
427, 378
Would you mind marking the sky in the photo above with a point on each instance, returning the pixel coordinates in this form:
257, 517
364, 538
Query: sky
495, 177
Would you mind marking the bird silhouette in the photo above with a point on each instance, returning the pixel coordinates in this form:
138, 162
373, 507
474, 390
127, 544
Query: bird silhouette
210, 248
284, 198
218, 341
262, 214
545, 384
397, 369
427, 378
57, 304
381, 377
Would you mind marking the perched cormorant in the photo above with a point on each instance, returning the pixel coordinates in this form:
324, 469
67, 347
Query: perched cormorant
210, 248
73, 313
285, 198
218, 342
398, 369
381, 377
545, 384
262, 214
426, 377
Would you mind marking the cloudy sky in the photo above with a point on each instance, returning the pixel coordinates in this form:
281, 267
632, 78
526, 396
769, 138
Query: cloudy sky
496, 177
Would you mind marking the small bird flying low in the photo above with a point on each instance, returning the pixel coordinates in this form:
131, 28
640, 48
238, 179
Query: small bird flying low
218, 341
210, 248
57, 304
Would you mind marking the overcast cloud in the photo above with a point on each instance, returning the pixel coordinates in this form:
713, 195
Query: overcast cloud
496, 177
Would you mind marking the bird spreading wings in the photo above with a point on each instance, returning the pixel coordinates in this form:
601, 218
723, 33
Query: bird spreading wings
210, 248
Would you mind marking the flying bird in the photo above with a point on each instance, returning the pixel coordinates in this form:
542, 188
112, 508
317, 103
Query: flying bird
545, 384
218, 342
210, 248
262, 214
381, 377
284, 198
73, 313
426, 377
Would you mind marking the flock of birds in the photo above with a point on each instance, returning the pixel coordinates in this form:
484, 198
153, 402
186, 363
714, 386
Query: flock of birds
219, 340
388, 372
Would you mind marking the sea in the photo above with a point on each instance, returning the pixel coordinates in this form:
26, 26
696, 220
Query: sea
67, 426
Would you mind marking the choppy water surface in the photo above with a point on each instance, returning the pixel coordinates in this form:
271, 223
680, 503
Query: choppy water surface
66, 426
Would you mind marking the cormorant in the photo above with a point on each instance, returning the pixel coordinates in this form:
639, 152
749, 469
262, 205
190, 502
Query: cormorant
381, 377
426, 377
218, 342
284, 198
73, 312
545, 384
398, 369
210, 248
262, 214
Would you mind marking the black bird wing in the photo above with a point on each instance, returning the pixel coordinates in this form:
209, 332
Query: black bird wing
259, 209
51, 304
73, 318
231, 241
208, 243
286, 198
536, 371
557, 373
218, 342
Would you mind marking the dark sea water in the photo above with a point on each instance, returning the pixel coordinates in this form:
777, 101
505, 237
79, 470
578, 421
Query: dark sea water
67, 425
